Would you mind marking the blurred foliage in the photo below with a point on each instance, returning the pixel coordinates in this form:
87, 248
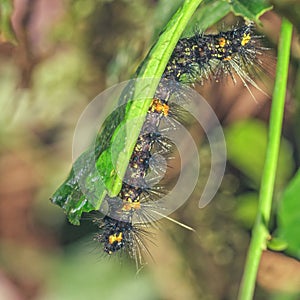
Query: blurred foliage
6, 31
251, 10
290, 9
76, 276
246, 147
246, 209
289, 216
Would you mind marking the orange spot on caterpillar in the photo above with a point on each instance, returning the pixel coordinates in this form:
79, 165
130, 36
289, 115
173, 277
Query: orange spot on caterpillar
222, 42
133, 205
159, 107
246, 38
115, 238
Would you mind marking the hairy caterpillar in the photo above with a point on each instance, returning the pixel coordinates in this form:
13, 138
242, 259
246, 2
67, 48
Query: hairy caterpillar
195, 59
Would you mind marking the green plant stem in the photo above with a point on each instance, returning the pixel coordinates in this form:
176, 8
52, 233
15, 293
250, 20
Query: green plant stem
260, 230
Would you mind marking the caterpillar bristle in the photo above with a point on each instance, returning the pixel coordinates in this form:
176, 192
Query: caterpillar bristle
231, 54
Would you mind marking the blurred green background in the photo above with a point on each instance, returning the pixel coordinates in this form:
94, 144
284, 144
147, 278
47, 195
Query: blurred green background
67, 53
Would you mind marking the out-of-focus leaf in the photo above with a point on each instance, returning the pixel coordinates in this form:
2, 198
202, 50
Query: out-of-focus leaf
163, 12
250, 10
208, 14
290, 9
246, 209
288, 216
246, 148
7, 32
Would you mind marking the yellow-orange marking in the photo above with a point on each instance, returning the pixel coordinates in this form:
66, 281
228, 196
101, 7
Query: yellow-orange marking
246, 38
157, 106
131, 205
115, 238
227, 58
222, 42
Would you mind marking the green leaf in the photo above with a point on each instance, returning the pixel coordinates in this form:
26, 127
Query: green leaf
100, 171
277, 244
6, 30
288, 216
246, 149
152, 67
81, 190
250, 10
91, 179
209, 13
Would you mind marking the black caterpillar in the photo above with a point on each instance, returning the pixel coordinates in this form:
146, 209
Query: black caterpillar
194, 59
